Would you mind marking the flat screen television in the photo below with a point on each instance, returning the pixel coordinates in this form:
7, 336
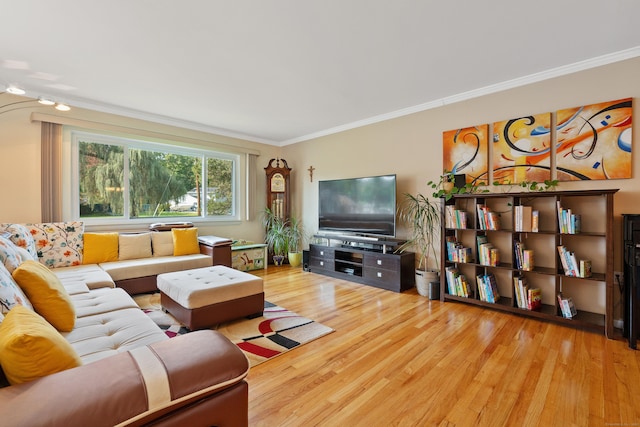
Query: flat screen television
363, 206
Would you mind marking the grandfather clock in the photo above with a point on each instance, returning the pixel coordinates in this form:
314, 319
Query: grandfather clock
278, 198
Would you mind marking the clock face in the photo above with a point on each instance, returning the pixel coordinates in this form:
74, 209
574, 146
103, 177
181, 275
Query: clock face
277, 183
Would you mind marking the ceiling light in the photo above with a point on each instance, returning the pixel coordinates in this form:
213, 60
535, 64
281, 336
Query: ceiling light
62, 107
46, 101
16, 90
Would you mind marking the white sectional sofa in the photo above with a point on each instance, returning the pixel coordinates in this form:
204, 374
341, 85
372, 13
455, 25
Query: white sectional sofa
119, 367
130, 261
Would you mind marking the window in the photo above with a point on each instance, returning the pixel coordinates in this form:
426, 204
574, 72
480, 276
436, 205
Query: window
119, 178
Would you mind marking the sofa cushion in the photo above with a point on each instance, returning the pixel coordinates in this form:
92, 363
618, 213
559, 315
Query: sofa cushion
58, 244
162, 242
185, 241
92, 275
101, 301
10, 293
100, 247
46, 293
101, 335
31, 348
22, 237
134, 246
9, 255
129, 269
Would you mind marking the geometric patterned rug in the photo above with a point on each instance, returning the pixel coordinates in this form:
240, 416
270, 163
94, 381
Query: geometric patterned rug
261, 338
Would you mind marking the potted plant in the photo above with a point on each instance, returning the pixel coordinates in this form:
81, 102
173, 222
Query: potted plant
423, 217
276, 236
284, 238
295, 237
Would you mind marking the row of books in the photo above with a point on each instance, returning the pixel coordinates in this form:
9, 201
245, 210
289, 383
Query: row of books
487, 253
457, 283
523, 257
526, 219
527, 298
456, 252
487, 219
567, 307
487, 288
572, 267
568, 222
455, 218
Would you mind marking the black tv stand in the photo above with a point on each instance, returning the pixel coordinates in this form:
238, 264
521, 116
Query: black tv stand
363, 260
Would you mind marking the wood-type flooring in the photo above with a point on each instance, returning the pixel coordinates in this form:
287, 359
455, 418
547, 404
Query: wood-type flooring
403, 360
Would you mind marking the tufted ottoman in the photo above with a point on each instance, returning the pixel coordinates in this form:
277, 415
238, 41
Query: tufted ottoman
203, 297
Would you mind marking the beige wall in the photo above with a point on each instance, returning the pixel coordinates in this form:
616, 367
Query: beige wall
20, 157
411, 146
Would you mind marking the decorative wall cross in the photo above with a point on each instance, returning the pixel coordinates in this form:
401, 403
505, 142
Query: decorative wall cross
311, 169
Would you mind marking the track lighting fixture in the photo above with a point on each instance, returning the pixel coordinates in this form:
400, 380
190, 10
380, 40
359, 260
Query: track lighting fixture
16, 90
46, 101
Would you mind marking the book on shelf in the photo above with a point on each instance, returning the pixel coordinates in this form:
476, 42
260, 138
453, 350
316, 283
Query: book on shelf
585, 268
535, 221
487, 288
567, 307
487, 219
455, 218
520, 288
523, 218
534, 299
457, 283
569, 262
568, 222
523, 257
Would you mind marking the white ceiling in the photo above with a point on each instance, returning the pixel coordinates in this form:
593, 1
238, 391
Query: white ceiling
282, 71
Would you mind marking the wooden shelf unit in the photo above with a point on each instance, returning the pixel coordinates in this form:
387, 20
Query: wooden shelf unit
593, 296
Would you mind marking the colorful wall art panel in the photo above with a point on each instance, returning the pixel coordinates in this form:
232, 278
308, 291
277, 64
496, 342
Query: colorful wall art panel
594, 141
466, 151
522, 149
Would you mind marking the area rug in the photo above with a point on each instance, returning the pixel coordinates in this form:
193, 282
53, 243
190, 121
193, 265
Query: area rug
261, 338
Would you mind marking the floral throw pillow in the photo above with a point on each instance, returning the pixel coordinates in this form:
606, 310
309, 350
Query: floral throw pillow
58, 244
8, 256
10, 293
21, 237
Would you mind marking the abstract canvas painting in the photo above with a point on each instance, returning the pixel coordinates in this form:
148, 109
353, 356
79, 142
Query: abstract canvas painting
593, 142
522, 149
466, 151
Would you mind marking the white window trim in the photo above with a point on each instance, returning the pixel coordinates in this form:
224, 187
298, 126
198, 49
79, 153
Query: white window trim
70, 178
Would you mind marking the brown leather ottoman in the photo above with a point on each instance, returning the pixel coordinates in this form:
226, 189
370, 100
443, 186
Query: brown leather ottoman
203, 297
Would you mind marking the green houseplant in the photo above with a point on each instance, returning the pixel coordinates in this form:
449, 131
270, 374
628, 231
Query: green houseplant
275, 236
284, 238
295, 237
422, 215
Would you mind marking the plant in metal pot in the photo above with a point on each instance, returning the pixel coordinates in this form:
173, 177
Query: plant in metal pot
422, 216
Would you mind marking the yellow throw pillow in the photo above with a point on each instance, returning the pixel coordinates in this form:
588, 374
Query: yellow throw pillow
185, 241
47, 294
100, 247
31, 348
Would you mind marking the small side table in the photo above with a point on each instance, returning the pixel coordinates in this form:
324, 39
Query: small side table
252, 256
218, 248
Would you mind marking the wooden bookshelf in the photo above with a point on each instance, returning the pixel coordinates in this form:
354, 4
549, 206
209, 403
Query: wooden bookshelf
593, 296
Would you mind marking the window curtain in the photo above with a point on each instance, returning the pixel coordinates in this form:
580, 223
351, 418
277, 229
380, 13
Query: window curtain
251, 185
51, 179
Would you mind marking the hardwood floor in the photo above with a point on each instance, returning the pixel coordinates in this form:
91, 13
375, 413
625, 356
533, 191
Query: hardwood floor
400, 359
